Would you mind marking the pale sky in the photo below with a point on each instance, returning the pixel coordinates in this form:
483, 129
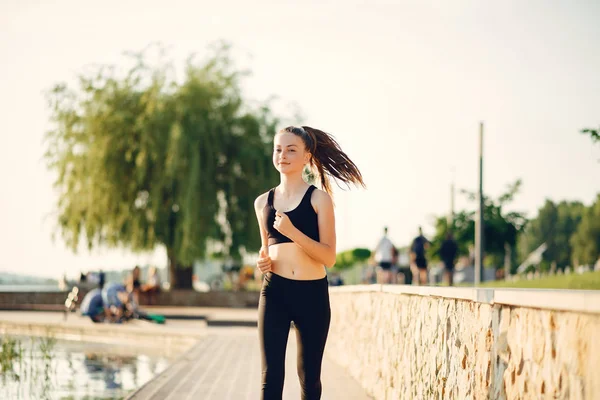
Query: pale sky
402, 85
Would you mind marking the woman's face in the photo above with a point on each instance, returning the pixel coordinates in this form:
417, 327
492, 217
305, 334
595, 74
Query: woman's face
289, 153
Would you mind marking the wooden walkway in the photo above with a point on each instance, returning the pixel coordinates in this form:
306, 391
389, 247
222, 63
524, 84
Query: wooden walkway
225, 364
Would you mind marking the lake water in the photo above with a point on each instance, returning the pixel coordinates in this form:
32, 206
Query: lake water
40, 368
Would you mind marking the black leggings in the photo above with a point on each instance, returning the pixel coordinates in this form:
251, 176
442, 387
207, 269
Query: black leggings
306, 303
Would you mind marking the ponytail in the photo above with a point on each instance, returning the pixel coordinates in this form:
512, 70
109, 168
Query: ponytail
327, 159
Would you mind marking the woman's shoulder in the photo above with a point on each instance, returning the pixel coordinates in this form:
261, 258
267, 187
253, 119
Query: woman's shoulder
320, 198
319, 193
261, 201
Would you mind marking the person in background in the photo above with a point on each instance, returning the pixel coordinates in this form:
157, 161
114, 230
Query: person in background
246, 274
134, 285
448, 252
336, 280
92, 306
395, 266
152, 286
384, 256
419, 246
101, 279
117, 302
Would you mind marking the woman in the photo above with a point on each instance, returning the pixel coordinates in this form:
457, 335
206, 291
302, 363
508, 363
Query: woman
297, 227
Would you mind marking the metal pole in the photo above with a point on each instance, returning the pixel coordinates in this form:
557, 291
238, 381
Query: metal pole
479, 239
452, 206
450, 219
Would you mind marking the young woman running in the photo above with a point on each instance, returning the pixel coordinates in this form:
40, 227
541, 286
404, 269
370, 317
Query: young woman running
297, 227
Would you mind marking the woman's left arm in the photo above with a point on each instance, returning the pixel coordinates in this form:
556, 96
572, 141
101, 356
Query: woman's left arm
323, 250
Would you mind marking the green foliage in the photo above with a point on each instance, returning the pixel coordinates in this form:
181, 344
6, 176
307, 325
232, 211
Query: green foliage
554, 225
10, 352
500, 227
594, 134
360, 254
463, 230
146, 159
587, 281
586, 239
570, 230
349, 258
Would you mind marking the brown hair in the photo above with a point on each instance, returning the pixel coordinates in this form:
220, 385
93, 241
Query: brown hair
327, 158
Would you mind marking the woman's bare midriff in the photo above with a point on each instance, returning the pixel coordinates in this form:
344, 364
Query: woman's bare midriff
290, 261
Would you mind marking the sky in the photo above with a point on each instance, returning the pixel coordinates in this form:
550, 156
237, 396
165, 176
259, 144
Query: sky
402, 86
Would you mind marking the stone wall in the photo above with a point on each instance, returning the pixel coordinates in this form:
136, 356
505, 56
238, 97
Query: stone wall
402, 342
209, 299
190, 298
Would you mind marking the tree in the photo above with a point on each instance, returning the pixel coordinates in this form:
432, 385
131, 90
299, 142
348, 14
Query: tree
463, 231
349, 258
554, 225
145, 159
586, 239
500, 229
594, 134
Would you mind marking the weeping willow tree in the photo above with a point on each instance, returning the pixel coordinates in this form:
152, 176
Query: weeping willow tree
144, 159
594, 134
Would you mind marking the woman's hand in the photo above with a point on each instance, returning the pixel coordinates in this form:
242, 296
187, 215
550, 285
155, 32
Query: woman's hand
264, 261
283, 224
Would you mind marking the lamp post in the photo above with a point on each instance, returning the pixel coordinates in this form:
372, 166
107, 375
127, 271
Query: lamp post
479, 223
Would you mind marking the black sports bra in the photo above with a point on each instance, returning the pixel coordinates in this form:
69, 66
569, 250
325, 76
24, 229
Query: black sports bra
303, 217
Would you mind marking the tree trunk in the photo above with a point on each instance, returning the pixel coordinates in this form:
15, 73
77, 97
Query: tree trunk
180, 276
507, 260
184, 276
172, 268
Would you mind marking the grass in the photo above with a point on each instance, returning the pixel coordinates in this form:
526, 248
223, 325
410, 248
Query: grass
587, 280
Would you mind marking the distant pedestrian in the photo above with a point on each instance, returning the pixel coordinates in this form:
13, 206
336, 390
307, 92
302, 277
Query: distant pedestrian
448, 253
419, 246
101, 279
336, 280
385, 255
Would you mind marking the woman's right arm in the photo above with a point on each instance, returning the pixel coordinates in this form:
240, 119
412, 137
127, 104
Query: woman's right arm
264, 261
